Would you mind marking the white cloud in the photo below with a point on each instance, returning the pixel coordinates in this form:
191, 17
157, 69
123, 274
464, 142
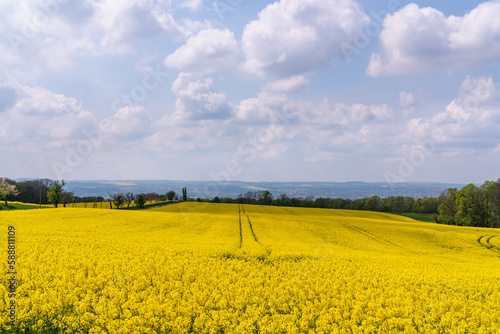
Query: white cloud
296, 83
53, 35
478, 99
196, 99
37, 117
293, 37
208, 51
410, 100
328, 113
267, 107
191, 4
129, 123
417, 39
406, 99
468, 124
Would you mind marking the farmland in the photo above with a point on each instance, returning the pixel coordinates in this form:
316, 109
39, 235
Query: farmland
229, 268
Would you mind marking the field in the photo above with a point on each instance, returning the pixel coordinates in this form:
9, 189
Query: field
229, 268
107, 205
21, 206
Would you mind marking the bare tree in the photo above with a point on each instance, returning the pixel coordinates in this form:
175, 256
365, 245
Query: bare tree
129, 198
118, 199
67, 197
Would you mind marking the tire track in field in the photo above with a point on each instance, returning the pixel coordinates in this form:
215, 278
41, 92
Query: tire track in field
292, 212
251, 229
371, 235
241, 231
250, 225
484, 241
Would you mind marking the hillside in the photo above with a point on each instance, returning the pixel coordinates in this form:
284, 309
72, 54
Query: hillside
203, 268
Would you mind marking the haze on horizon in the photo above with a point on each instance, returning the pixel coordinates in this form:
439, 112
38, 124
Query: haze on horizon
290, 90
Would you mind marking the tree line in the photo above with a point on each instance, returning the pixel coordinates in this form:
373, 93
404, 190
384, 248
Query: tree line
398, 204
477, 206
45, 191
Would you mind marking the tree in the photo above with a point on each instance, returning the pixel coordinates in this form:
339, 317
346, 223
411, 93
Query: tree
472, 208
171, 195
118, 199
372, 203
140, 200
67, 197
448, 207
129, 198
56, 192
184, 194
3, 194
267, 197
8, 189
216, 199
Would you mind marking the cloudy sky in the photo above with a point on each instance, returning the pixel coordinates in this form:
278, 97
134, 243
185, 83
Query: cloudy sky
292, 90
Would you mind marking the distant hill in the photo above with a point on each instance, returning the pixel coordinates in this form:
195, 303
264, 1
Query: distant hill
210, 189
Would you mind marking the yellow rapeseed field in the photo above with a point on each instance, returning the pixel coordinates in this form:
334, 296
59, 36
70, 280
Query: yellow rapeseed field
103, 205
229, 268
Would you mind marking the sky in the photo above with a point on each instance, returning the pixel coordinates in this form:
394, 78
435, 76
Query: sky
212, 90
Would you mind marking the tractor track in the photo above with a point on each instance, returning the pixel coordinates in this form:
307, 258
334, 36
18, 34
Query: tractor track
370, 235
242, 212
484, 241
251, 229
241, 231
292, 212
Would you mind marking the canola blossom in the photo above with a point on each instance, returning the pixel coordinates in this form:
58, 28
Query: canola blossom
105, 205
229, 268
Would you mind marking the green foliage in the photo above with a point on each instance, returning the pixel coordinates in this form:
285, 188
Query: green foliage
18, 206
216, 199
184, 194
56, 192
471, 206
170, 195
140, 200
423, 217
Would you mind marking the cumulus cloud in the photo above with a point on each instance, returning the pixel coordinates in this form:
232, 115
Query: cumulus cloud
208, 51
328, 113
196, 99
294, 37
37, 116
41, 35
468, 124
416, 39
129, 123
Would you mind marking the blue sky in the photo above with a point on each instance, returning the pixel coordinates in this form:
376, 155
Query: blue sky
292, 90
